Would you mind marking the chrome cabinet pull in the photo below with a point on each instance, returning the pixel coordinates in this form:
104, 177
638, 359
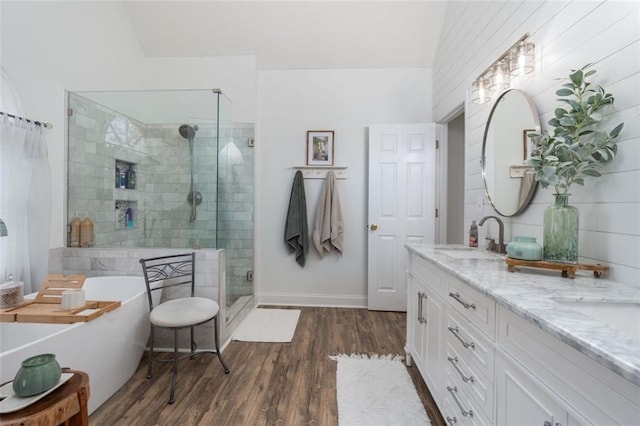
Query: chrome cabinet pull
421, 319
454, 361
451, 420
456, 332
457, 298
453, 391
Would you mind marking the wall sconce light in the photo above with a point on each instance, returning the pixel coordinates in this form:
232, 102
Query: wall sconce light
521, 58
480, 93
500, 76
518, 60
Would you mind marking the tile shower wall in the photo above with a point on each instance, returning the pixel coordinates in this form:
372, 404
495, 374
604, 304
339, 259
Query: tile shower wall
165, 220
98, 137
235, 206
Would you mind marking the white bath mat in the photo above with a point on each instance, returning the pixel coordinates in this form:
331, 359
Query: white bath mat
268, 325
376, 391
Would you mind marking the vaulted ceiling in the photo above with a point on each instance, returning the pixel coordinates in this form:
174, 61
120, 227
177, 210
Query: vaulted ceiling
311, 34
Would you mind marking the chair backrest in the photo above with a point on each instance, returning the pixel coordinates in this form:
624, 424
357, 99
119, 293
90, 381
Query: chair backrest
173, 272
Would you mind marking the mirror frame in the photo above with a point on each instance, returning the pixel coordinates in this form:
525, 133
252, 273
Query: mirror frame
536, 119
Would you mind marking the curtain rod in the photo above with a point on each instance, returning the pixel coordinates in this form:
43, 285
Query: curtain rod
37, 123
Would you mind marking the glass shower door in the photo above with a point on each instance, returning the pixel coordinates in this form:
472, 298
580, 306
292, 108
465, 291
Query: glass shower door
236, 207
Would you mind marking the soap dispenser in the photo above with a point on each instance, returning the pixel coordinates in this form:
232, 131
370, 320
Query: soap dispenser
74, 232
473, 234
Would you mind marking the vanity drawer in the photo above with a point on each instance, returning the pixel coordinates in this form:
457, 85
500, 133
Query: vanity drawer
473, 347
474, 306
426, 272
468, 377
458, 407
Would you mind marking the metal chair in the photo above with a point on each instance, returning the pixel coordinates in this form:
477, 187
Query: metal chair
174, 277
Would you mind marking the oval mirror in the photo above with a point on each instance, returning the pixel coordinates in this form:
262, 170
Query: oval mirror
508, 182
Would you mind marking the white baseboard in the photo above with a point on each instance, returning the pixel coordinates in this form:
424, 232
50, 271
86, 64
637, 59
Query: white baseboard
305, 299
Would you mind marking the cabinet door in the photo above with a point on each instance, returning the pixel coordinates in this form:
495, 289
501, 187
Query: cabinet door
432, 308
522, 400
416, 333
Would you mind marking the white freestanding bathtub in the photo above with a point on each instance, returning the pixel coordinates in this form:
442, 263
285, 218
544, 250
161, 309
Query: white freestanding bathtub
108, 348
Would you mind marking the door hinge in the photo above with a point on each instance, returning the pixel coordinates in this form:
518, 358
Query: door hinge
69, 112
249, 275
437, 144
437, 213
251, 142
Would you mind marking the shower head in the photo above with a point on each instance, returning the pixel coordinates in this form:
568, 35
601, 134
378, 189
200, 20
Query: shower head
188, 132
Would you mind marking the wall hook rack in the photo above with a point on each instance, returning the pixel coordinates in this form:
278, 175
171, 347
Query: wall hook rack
320, 172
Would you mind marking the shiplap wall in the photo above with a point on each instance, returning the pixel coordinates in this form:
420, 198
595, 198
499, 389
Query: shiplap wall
567, 35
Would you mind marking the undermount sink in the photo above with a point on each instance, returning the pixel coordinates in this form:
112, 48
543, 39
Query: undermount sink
468, 253
618, 315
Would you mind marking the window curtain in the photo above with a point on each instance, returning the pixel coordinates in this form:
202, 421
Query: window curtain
25, 202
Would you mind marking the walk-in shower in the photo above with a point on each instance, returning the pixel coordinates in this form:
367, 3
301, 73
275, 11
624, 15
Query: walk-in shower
194, 198
165, 169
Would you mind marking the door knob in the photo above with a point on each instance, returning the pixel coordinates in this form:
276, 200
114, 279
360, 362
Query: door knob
373, 226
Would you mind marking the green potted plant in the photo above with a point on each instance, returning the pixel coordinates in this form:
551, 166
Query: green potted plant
574, 150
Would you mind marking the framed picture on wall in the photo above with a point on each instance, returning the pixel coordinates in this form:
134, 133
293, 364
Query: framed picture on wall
320, 147
527, 143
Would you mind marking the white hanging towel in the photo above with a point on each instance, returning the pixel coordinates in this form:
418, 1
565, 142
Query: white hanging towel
328, 227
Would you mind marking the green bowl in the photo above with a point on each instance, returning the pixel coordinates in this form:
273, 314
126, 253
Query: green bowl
524, 248
38, 374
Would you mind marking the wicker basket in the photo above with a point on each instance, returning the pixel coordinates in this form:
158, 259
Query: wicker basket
11, 294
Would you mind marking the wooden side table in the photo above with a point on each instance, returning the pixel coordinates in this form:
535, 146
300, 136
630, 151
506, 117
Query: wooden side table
67, 404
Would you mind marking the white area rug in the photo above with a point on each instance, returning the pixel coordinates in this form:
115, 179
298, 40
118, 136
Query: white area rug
377, 391
268, 325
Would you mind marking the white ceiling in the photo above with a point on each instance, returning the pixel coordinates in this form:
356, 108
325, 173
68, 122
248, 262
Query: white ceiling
311, 34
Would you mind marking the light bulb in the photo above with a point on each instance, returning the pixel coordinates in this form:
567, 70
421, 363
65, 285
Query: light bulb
522, 58
479, 93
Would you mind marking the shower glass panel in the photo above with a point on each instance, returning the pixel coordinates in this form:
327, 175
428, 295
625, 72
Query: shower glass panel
164, 169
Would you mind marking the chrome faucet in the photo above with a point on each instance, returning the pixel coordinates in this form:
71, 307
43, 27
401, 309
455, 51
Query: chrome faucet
500, 246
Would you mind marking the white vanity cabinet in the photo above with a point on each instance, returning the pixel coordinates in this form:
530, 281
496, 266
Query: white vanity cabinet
485, 364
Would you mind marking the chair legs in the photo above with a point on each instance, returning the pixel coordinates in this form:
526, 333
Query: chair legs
174, 376
150, 353
215, 328
176, 357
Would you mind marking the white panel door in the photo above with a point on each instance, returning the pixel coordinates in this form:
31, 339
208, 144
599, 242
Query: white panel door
401, 206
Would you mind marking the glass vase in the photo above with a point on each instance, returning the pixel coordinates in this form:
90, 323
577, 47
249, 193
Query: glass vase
561, 231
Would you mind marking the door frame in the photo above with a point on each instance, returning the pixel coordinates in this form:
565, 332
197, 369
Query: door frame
442, 156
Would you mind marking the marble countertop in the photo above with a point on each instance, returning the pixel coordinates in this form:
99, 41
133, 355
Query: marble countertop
538, 296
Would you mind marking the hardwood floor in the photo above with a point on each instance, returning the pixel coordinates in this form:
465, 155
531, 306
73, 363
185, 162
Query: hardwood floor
270, 383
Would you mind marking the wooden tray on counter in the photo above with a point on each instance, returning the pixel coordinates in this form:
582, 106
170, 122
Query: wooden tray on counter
45, 307
568, 269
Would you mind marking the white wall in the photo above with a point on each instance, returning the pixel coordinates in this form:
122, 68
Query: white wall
346, 101
50, 47
567, 35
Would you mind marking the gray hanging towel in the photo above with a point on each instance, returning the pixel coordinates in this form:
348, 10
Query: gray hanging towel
328, 227
296, 231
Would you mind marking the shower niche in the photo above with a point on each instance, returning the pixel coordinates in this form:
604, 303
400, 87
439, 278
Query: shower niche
125, 213
125, 174
165, 169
